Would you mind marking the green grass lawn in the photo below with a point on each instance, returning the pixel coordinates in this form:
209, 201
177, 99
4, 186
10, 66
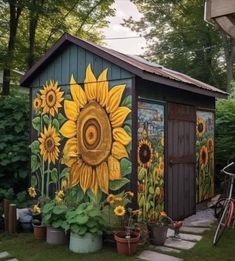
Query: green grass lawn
26, 248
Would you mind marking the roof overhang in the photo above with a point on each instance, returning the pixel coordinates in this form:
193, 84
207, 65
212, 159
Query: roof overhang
120, 60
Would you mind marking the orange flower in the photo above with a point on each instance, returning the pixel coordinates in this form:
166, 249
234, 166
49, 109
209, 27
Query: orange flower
210, 145
203, 156
163, 214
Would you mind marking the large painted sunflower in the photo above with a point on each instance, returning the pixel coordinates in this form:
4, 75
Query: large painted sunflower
49, 142
201, 127
145, 153
203, 156
96, 139
51, 97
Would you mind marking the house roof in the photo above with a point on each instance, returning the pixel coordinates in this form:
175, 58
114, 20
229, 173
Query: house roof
136, 65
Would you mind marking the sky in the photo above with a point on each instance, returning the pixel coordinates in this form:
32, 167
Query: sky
124, 9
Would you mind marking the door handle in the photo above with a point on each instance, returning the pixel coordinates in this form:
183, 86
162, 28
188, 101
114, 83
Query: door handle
171, 163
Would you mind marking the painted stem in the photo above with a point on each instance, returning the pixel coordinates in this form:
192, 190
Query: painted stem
48, 179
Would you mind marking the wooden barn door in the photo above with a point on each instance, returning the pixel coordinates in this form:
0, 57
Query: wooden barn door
181, 175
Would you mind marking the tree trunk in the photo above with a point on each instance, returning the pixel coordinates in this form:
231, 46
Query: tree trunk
33, 23
15, 11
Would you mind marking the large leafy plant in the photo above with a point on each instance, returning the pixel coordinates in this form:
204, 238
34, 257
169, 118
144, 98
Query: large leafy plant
54, 214
87, 218
14, 141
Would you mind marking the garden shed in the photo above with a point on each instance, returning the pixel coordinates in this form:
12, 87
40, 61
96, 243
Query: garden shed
103, 121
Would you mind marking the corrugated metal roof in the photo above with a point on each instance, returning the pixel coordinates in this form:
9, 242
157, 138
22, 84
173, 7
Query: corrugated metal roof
137, 65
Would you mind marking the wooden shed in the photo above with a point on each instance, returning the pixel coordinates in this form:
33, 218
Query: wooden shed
103, 121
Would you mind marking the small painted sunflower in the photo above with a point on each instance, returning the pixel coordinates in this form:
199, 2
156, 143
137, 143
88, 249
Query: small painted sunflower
145, 153
51, 97
203, 156
119, 211
210, 145
161, 168
201, 127
94, 129
129, 194
49, 142
37, 102
32, 192
111, 199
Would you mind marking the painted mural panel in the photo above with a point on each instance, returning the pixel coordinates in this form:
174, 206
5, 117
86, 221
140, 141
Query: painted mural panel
205, 155
83, 137
150, 159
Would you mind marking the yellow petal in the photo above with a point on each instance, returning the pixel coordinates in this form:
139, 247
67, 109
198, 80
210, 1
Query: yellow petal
69, 129
71, 110
119, 134
94, 184
77, 93
119, 151
102, 175
115, 96
68, 161
102, 88
114, 168
71, 148
74, 176
85, 177
90, 84
118, 117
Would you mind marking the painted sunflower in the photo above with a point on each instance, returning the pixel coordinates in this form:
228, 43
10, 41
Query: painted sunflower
49, 142
161, 168
201, 127
96, 139
145, 153
111, 199
51, 97
203, 156
210, 145
119, 211
37, 102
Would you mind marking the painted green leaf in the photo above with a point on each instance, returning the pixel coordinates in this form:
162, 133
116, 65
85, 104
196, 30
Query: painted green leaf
127, 101
118, 184
35, 147
56, 124
61, 119
128, 148
34, 181
36, 122
54, 175
34, 163
128, 122
64, 173
46, 119
125, 167
127, 129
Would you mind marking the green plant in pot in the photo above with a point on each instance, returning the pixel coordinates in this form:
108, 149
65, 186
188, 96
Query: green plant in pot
86, 224
158, 225
54, 217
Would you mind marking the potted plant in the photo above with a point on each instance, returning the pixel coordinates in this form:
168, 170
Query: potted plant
54, 212
127, 237
158, 226
86, 224
39, 230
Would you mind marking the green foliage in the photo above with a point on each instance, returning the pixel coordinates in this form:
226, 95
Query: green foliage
178, 37
14, 140
87, 218
54, 215
225, 132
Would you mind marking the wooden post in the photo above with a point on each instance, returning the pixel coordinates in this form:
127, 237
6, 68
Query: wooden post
12, 218
6, 204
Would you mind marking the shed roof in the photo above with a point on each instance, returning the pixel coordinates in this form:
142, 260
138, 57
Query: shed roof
136, 65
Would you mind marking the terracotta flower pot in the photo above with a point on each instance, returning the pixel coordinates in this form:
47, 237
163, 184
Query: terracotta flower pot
158, 234
39, 232
126, 246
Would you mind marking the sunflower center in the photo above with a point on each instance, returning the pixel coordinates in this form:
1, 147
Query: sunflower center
94, 134
200, 127
144, 153
49, 144
51, 98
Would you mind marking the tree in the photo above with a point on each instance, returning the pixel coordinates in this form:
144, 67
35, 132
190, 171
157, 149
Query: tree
43, 22
15, 9
179, 38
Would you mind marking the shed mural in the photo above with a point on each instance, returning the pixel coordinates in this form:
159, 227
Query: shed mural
92, 122
205, 155
104, 122
150, 156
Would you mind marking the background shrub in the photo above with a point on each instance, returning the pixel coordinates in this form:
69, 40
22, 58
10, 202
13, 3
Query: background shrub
14, 143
